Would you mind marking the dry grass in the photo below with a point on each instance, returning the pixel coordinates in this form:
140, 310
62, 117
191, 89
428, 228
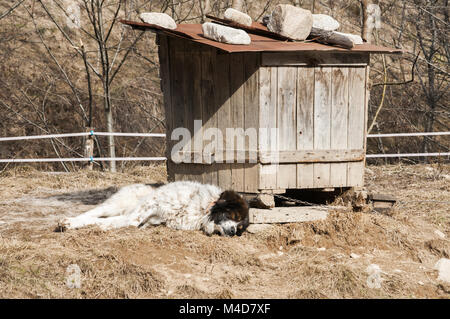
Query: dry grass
282, 262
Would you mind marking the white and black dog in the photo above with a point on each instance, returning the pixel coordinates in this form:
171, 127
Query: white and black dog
180, 205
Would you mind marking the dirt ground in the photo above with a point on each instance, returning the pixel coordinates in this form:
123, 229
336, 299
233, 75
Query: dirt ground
304, 260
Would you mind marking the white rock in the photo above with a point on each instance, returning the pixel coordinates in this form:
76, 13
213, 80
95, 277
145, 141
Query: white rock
325, 22
238, 16
354, 37
373, 269
374, 279
443, 267
321, 249
439, 233
354, 256
161, 19
291, 22
420, 283
225, 34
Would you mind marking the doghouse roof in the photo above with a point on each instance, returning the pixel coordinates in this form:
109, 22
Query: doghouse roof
260, 41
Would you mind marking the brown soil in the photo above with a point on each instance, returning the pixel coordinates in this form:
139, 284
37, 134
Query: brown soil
284, 261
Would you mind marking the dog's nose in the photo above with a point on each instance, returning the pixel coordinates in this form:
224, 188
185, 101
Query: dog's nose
232, 231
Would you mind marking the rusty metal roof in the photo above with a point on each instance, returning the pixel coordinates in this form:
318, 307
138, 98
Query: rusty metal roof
260, 43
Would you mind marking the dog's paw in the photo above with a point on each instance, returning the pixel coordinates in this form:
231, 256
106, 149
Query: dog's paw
61, 227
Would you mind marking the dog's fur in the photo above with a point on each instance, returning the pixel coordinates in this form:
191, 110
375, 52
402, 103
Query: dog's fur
179, 205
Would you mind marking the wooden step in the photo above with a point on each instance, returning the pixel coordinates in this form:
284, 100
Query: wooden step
290, 214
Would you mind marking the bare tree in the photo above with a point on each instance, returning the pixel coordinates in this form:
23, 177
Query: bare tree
110, 54
11, 9
432, 29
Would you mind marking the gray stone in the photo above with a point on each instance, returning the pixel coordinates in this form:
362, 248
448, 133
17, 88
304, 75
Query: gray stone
439, 233
225, 34
161, 19
356, 39
292, 22
238, 17
258, 228
443, 267
324, 22
354, 256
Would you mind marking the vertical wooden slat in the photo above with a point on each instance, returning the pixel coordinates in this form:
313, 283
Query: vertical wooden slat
176, 56
195, 77
237, 113
222, 95
209, 107
287, 83
305, 123
339, 122
366, 113
188, 104
322, 123
164, 54
356, 125
267, 122
251, 119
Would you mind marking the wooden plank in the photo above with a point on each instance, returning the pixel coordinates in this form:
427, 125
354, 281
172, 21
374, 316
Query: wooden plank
356, 125
188, 103
286, 101
366, 116
222, 95
314, 59
195, 60
164, 54
322, 123
268, 124
305, 123
209, 116
237, 114
288, 214
251, 119
312, 156
339, 123
176, 56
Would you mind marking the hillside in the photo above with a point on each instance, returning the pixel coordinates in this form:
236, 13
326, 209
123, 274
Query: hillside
44, 82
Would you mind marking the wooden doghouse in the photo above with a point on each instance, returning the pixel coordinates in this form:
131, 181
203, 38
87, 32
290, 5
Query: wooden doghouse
315, 95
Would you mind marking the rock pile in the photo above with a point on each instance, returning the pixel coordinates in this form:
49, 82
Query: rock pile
286, 20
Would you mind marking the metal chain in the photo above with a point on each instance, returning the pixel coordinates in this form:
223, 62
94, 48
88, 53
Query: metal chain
297, 201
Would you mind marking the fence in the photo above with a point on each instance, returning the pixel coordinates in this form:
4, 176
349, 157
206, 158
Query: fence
98, 159
80, 159
407, 135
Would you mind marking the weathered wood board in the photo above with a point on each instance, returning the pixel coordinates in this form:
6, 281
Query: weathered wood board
287, 214
315, 104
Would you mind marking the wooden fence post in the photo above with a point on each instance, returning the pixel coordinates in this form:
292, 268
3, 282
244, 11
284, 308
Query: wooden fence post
89, 148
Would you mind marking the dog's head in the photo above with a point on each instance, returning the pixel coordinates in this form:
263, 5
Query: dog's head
230, 214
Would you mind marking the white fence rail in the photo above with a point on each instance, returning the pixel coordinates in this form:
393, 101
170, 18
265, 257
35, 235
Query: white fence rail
408, 134
91, 133
80, 159
99, 159
407, 154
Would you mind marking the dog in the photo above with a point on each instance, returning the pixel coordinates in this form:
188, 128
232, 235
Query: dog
180, 205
